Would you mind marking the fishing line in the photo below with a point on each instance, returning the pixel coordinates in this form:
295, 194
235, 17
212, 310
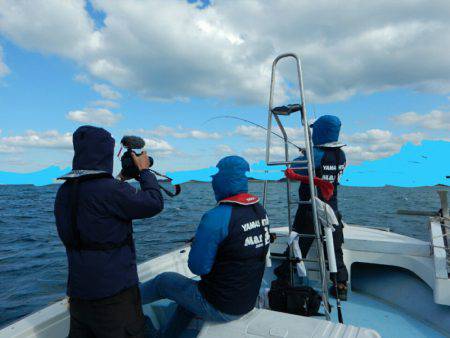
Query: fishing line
255, 124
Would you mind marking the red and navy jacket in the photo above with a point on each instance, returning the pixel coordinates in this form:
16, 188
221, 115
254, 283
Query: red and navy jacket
329, 158
231, 242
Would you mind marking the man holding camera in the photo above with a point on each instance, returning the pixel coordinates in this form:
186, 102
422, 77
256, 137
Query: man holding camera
94, 214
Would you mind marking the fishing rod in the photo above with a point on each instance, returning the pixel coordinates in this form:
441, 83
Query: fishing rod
255, 124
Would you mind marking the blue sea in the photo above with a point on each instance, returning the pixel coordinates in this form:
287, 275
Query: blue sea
33, 260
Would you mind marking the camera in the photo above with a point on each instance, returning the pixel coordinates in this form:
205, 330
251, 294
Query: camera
131, 143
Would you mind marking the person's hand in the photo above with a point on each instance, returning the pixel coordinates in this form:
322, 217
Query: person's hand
141, 161
121, 177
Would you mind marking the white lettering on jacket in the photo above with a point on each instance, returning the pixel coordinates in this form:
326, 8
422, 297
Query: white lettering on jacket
255, 224
333, 167
257, 241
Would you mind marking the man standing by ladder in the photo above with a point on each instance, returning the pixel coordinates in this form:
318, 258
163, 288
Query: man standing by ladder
329, 161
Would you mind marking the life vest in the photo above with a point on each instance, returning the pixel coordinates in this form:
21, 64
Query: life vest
233, 283
331, 167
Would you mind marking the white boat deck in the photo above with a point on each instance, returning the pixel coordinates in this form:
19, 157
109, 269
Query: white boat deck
363, 245
374, 246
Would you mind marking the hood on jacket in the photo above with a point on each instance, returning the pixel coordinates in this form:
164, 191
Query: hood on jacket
230, 180
94, 149
326, 129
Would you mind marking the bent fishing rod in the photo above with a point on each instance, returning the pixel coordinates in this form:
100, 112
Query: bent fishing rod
256, 125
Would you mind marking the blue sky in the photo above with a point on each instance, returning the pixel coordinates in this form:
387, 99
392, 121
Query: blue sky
132, 68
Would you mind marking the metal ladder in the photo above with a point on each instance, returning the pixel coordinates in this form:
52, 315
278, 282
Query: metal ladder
274, 114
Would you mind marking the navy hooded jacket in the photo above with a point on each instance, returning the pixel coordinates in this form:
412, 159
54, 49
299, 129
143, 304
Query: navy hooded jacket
329, 158
231, 242
105, 209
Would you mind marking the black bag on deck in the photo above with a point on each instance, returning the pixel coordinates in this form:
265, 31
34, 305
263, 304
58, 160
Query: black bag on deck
299, 300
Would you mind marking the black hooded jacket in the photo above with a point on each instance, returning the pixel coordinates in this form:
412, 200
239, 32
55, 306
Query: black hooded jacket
105, 210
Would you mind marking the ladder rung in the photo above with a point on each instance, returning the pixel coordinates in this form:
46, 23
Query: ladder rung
300, 168
307, 235
288, 162
301, 235
276, 257
298, 260
293, 260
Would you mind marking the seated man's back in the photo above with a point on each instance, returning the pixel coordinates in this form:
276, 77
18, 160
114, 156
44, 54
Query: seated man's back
239, 226
228, 253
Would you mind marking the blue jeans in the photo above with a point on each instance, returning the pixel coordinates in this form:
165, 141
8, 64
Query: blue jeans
191, 303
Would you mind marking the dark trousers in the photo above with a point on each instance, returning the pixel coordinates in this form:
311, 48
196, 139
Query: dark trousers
303, 224
117, 316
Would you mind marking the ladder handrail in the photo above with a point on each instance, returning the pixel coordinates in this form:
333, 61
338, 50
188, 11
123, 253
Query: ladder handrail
310, 167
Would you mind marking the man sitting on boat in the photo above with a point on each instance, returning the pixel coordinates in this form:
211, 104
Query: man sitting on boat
93, 214
228, 253
329, 160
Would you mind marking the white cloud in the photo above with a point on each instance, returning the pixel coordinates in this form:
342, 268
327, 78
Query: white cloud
4, 70
255, 152
374, 144
105, 103
50, 26
7, 149
180, 133
370, 145
369, 136
158, 131
259, 153
158, 147
295, 135
17, 162
34, 139
101, 116
225, 50
54, 140
197, 134
435, 120
82, 78
106, 91
224, 149
251, 132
